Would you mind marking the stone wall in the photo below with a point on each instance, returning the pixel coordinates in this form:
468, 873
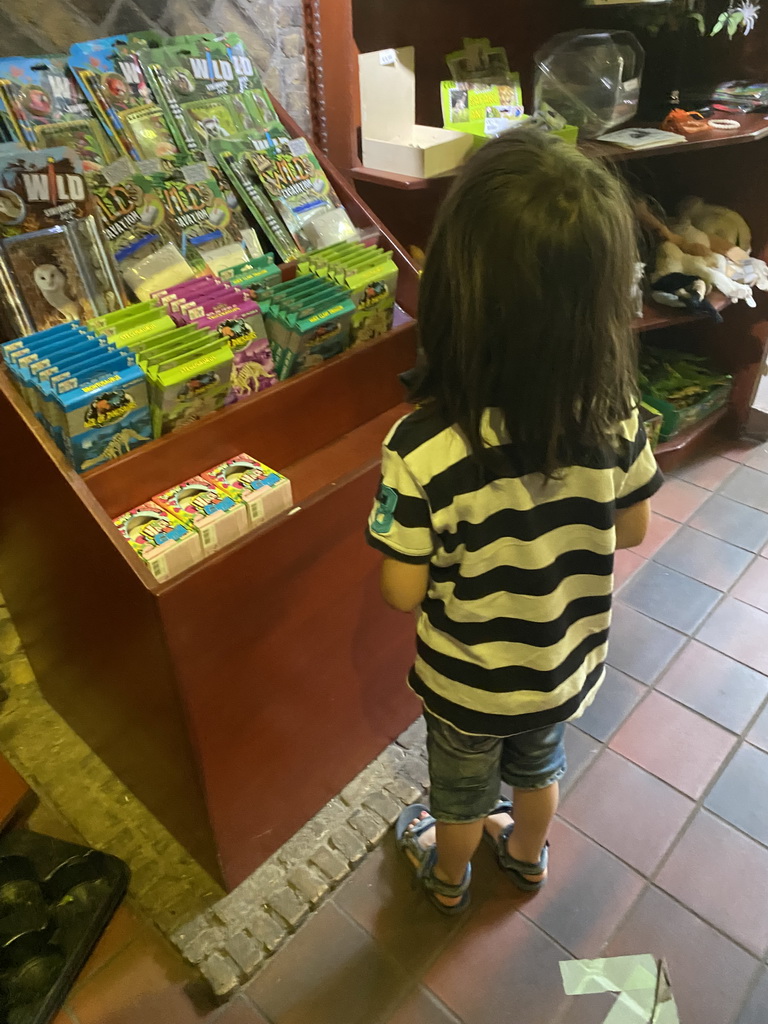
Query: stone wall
272, 30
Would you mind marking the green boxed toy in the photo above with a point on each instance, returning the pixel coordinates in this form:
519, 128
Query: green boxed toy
369, 275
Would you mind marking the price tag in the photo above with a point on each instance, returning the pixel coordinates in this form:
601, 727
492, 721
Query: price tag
119, 170
195, 173
149, 166
297, 147
388, 56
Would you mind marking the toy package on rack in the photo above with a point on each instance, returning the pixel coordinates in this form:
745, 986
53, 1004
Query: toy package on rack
237, 321
45, 188
49, 276
112, 78
304, 198
203, 506
50, 109
265, 492
137, 229
308, 320
370, 276
199, 219
105, 416
166, 545
234, 158
209, 88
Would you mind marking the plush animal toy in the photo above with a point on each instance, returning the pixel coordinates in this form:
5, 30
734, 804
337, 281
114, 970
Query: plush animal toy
672, 260
718, 223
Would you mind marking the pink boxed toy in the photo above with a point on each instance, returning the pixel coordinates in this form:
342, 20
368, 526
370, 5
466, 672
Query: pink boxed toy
265, 492
163, 542
200, 504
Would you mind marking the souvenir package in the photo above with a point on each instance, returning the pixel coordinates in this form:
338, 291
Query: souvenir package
199, 219
237, 321
265, 492
72, 371
112, 78
293, 179
209, 89
45, 189
50, 109
166, 545
253, 368
307, 322
104, 415
470, 102
90, 397
188, 380
218, 517
235, 207
15, 320
134, 330
369, 275
150, 263
234, 158
128, 208
49, 277
26, 357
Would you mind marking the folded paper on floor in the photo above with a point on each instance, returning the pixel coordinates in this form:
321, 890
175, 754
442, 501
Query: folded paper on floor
645, 995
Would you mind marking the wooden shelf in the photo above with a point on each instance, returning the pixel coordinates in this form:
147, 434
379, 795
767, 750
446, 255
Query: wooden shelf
399, 181
193, 690
751, 128
680, 448
655, 317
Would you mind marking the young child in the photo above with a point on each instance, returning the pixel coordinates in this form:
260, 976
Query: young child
506, 493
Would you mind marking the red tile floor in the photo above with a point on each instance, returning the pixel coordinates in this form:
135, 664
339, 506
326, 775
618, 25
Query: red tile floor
661, 844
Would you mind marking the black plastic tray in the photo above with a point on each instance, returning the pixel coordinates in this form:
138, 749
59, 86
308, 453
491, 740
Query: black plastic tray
55, 901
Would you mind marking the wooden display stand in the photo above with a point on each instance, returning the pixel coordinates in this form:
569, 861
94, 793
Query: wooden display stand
726, 168
236, 699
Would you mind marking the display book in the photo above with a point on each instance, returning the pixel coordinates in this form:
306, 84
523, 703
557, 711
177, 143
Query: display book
98, 247
176, 529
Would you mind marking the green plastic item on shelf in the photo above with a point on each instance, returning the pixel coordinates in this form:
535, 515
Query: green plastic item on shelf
676, 420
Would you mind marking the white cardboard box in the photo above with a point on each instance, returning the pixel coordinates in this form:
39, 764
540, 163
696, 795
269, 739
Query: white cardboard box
392, 141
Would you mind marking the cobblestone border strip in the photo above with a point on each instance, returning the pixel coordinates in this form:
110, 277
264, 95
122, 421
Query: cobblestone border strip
231, 940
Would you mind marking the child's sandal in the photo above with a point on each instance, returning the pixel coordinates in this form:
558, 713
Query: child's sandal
516, 869
407, 836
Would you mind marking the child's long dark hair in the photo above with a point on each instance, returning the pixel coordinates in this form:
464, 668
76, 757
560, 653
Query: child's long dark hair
526, 300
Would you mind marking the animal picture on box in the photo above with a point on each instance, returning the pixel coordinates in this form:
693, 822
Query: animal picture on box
47, 278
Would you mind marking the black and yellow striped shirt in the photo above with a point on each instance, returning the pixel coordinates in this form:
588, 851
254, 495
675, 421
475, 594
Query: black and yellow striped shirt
513, 632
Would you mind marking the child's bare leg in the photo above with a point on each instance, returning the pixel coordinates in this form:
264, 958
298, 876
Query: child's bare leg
456, 845
534, 811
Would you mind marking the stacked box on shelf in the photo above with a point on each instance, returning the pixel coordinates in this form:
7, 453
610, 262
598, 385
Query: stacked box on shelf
91, 397
370, 276
177, 528
307, 320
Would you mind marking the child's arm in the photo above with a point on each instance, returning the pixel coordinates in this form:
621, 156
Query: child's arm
400, 527
638, 478
632, 524
403, 584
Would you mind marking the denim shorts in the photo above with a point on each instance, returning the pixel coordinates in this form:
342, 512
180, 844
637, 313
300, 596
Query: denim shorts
466, 772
